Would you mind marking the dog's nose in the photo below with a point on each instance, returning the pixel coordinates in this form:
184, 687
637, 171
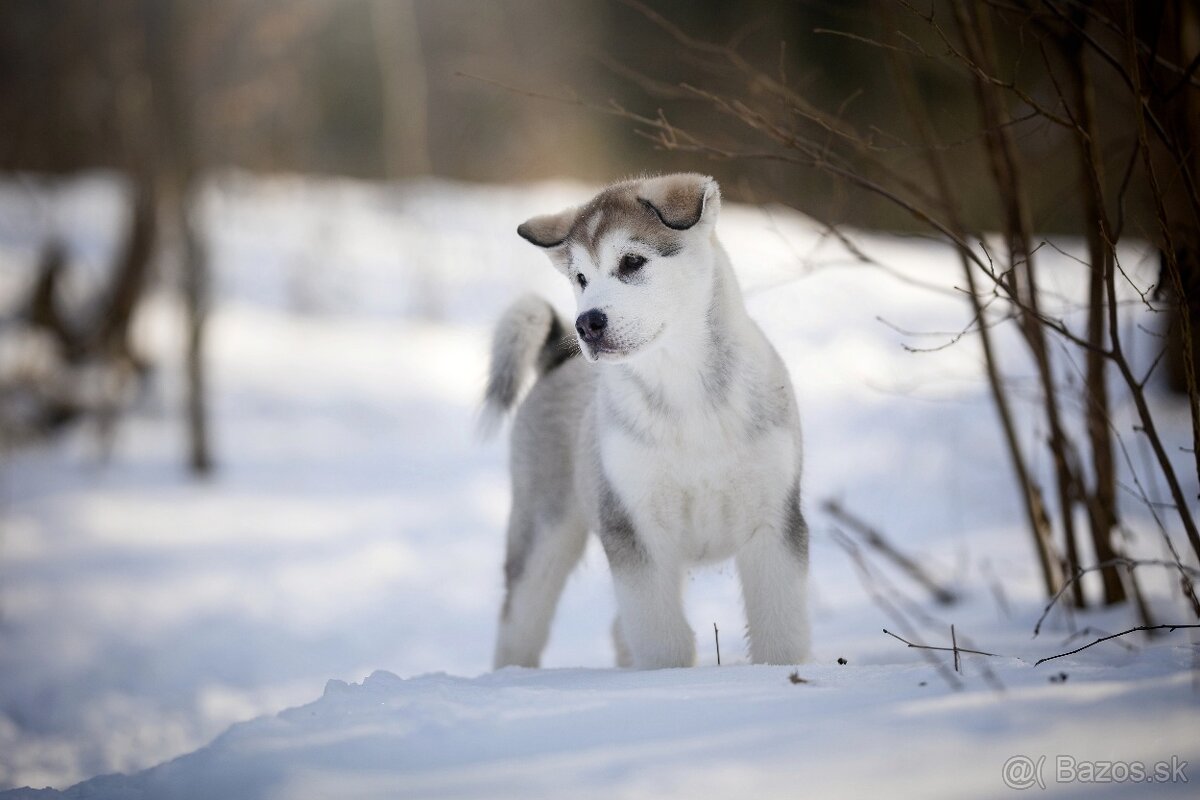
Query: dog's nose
591, 325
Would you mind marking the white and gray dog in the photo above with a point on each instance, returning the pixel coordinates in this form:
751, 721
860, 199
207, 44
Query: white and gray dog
675, 438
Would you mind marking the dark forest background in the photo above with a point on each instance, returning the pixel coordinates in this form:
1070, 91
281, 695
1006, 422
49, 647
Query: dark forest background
398, 88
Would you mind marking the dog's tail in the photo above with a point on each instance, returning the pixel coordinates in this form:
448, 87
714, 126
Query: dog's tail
529, 338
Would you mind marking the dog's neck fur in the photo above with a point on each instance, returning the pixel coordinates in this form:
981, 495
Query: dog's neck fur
691, 369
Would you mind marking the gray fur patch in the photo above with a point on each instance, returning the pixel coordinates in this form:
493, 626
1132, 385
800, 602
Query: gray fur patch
520, 543
795, 526
665, 249
617, 533
559, 346
529, 338
719, 365
614, 414
768, 410
517, 344
677, 200
547, 230
652, 397
618, 206
770, 400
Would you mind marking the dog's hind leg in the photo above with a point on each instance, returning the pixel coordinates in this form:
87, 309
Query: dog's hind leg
540, 557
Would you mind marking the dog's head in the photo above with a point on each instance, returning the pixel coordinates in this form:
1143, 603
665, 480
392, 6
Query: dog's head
640, 256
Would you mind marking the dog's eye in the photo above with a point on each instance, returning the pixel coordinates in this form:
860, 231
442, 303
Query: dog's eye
582, 281
632, 263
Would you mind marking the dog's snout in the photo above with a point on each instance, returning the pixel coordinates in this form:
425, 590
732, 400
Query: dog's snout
591, 325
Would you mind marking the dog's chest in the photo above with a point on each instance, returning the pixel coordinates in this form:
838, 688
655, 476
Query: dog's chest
700, 498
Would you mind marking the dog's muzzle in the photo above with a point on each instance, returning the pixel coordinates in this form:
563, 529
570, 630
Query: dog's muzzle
591, 326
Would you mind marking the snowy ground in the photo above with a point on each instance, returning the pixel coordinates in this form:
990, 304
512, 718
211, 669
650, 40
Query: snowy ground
354, 528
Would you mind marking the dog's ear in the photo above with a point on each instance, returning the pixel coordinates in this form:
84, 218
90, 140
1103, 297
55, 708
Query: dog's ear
681, 200
548, 230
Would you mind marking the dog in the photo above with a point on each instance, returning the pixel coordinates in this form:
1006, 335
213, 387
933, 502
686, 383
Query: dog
663, 420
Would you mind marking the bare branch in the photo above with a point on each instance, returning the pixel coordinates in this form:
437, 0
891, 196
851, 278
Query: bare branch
954, 649
1169, 628
940, 594
1128, 563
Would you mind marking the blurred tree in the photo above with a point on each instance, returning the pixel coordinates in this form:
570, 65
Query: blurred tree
170, 60
402, 78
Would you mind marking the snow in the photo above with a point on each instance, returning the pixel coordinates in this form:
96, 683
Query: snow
158, 627
708, 732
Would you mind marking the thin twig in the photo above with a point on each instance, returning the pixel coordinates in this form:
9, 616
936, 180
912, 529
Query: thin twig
1168, 628
1128, 563
1090, 631
956, 649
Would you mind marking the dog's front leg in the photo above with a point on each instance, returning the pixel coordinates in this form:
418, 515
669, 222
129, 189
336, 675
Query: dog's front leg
650, 613
773, 567
649, 590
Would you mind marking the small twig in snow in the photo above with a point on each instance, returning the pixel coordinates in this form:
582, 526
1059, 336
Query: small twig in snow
869, 581
956, 650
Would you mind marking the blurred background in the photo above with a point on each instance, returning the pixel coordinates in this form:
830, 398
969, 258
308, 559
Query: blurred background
388, 90
250, 251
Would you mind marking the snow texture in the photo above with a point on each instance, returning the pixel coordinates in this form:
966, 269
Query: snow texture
355, 527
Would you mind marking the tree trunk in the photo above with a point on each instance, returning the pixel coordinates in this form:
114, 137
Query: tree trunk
178, 171
405, 143
1102, 501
